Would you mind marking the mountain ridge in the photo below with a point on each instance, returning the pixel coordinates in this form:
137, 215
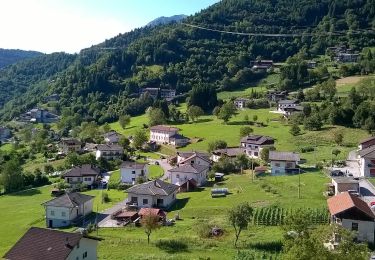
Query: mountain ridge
102, 80
166, 19
11, 56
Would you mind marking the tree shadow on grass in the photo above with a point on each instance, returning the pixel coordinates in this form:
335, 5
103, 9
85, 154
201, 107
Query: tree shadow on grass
180, 204
30, 192
272, 246
172, 246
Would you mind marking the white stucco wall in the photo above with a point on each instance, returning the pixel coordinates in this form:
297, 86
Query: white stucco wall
161, 136
365, 229
86, 245
197, 161
127, 175
179, 178
152, 200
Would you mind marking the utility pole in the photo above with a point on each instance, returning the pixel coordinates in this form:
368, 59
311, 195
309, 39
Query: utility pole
299, 183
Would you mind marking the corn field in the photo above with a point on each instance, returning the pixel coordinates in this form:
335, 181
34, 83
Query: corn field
275, 216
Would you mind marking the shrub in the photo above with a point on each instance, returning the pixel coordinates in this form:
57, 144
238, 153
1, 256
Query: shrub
307, 149
203, 229
105, 197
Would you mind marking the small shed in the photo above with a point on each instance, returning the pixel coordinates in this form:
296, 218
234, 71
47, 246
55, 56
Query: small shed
219, 192
260, 170
189, 185
152, 211
124, 215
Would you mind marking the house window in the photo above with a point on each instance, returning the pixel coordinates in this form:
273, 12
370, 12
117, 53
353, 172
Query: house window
52, 213
133, 179
133, 172
63, 214
145, 201
277, 164
355, 226
177, 176
256, 147
255, 153
142, 172
84, 255
134, 199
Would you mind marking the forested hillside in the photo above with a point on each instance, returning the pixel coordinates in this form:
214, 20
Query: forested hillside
165, 20
8, 57
100, 83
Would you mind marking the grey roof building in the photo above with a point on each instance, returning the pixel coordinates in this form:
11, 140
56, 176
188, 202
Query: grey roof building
284, 156
258, 140
49, 244
155, 187
82, 171
69, 200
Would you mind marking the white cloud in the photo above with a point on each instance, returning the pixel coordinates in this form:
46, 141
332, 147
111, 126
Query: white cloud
48, 27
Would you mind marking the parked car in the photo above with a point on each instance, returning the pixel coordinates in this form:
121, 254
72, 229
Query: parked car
337, 173
157, 163
372, 203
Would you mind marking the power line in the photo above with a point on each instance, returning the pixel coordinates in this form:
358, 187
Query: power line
274, 34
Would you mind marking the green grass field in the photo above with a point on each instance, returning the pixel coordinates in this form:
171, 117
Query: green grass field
193, 207
209, 128
155, 171
198, 206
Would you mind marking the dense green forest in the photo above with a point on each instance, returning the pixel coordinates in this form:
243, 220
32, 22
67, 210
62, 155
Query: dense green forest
99, 84
8, 57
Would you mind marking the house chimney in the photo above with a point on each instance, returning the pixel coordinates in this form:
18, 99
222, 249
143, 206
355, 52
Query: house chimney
67, 242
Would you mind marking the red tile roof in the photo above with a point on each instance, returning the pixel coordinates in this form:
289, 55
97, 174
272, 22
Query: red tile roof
151, 211
345, 201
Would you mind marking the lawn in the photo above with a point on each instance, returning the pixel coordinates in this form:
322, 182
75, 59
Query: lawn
193, 207
197, 207
6, 147
19, 212
209, 128
155, 171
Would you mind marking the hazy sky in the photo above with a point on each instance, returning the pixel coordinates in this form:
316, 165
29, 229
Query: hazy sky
71, 25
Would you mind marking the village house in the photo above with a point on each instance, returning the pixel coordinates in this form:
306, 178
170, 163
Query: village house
193, 157
178, 140
189, 171
67, 209
354, 214
109, 151
367, 161
231, 152
253, 144
70, 145
311, 64
82, 175
288, 107
152, 194
367, 143
132, 171
112, 137
37, 115
283, 162
343, 184
167, 135
49, 244
347, 57
240, 103
156, 93
275, 95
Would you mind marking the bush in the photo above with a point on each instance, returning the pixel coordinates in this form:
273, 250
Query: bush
172, 246
203, 229
307, 149
319, 165
105, 197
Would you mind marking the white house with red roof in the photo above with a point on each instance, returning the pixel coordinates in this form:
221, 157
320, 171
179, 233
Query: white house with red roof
354, 214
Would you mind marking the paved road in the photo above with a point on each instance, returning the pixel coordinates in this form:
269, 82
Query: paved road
367, 190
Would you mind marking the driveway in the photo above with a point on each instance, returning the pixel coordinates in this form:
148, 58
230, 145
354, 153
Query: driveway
163, 163
367, 190
104, 218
